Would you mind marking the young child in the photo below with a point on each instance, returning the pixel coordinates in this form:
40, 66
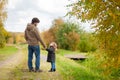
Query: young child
51, 56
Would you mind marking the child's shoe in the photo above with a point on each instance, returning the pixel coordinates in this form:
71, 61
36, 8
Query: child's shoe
52, 70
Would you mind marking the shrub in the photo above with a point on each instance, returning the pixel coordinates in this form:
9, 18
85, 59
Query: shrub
87, 42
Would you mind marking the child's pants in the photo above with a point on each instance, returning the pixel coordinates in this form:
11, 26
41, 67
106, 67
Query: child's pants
53, 65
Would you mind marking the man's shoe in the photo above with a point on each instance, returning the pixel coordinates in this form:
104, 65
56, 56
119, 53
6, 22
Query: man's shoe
31, 70
38, 70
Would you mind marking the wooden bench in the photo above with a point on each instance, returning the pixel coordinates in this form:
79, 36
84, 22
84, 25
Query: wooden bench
76, 56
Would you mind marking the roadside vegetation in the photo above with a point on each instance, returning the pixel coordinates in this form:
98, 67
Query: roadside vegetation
7, 51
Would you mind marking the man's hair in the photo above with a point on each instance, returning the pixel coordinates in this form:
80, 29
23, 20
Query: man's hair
35, 20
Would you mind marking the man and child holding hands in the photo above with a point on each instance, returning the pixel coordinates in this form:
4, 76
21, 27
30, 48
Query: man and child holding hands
33, 38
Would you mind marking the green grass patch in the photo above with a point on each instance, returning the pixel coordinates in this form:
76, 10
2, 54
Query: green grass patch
80, 70
72, 70
7, 51
63, 52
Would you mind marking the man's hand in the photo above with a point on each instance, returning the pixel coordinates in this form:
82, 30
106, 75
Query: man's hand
45, 47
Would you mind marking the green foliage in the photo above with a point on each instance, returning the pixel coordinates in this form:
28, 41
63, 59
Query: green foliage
84, 46
7, 36
2, 40
14, 39
95, 62
4, 36
99, 63
116, 74
105, 15
7, 51
88, 42
3, 15
68, 36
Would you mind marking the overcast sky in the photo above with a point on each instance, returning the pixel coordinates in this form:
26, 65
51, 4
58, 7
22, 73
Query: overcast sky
20, 12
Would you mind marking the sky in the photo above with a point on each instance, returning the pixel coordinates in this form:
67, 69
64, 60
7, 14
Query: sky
20, 13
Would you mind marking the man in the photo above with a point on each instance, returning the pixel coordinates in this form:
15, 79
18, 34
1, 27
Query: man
33, 38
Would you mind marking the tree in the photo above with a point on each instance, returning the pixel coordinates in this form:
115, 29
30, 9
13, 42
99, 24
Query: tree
73, 40
105, 15
3, 14
88, 42
68, 36
51, 33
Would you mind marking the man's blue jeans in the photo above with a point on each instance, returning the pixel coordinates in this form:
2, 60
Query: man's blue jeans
36, 51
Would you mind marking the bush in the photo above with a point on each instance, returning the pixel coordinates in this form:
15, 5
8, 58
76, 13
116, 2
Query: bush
116, 74
84, 46
87, 42
2, 40
68, 36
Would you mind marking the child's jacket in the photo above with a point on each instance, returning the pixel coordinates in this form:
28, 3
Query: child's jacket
51, 54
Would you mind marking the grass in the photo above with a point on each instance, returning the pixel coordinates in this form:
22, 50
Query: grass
63, 52
74, 71
82, 70
7, 51
71, 70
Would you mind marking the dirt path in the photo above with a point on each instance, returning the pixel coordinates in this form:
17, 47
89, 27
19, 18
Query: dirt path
9, 64
12, 61
22, 72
